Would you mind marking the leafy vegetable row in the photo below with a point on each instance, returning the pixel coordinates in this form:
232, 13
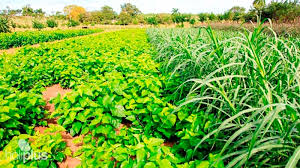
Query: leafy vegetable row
116, 86
18, 39
20, 112
41, 150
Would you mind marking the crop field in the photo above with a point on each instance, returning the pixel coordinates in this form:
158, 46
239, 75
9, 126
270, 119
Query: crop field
18, 39
151, 98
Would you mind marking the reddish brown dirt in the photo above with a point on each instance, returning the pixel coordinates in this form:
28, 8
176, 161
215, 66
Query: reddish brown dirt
169, 144
119, 129
48, 94
51, 92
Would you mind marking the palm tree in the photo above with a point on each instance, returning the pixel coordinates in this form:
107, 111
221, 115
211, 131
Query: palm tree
259, 5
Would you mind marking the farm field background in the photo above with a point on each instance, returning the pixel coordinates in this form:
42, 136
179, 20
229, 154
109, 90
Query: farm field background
153, 98
18, 39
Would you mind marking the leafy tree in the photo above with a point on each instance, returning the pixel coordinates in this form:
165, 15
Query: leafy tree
212, 17
237, 13
164, 18
39, 12
192, 21
59, 15
125, 18
130, 9
285, 11
85, 17
153, 20
10, 12
27, 11
250, 16
14, 12
73, 11
259, 5
128, 13
177, 17
187, 17
96, 17
108, 13
203, 17
238, 9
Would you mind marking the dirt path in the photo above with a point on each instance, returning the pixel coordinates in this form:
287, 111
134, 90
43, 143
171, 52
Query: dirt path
48, 94
14, 50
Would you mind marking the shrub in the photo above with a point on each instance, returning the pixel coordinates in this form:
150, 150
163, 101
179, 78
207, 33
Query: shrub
203, 17
164, 18
13, 24
4, 25
212, 17
72, 23
153, 20
51, 23
192, 21
37, 25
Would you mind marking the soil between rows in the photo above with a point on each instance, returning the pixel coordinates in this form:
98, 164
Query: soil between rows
48, 94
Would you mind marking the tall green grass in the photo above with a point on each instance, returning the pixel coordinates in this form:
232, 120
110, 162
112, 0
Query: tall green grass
249, 81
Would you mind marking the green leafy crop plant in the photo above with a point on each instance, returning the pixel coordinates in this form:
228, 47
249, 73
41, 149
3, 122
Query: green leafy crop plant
249, 83
18, 39
41, 150
194, 98
115, 82
20, 112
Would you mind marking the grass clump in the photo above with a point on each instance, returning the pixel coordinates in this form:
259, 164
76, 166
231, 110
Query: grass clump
4, 25
248, 81
51, 23
38, 25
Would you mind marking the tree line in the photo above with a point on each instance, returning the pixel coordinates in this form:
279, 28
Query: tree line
278, 11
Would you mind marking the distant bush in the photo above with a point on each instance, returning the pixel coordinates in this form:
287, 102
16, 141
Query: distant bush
72, 23
192, 21
51, 23
203, 17
212, 17
164, 18
25, 26
153, 20
13, 24
4, 25
37, 25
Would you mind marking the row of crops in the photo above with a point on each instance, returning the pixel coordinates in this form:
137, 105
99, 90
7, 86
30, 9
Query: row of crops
178, 98
248, 82
18, 39
114, 81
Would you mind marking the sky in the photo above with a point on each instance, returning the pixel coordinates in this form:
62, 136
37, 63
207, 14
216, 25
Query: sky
146, 6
